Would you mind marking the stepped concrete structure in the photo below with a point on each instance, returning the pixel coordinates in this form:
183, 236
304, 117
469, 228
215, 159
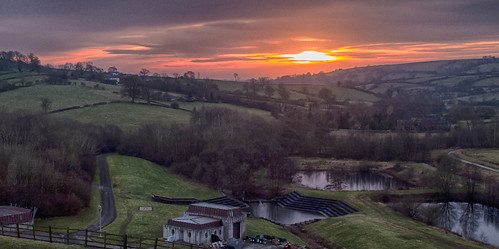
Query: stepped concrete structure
206, 222
326, 207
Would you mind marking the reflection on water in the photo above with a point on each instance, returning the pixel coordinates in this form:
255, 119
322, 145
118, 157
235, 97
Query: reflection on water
476, 221
282, 215
335, 180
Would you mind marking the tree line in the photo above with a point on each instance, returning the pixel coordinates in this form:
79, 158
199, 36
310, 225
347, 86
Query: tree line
49, 163
224, 149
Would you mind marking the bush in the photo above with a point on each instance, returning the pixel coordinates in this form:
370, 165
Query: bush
175, 105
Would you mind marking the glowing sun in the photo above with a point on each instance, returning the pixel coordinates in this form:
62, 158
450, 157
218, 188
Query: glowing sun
310, 56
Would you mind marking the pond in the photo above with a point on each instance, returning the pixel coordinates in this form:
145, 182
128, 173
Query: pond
281, 215
335, 180
476, 221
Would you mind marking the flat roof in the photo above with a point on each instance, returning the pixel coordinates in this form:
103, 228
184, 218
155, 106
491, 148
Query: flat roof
195, 219
217, 206
11, 210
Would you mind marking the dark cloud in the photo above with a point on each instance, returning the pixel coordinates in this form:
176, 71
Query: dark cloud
227, 59
195, 29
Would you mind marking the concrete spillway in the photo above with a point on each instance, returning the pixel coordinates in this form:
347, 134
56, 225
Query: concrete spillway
326, 207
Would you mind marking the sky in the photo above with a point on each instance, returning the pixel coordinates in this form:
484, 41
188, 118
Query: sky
253, 38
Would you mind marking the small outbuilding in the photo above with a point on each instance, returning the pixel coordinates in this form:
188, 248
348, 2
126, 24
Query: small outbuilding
11, 215
205, 223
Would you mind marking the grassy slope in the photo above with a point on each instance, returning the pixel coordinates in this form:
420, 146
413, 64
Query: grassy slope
377, 226
253, 111
340, 92
28, 98
135, 181
261, 226
487, 157
15, 243
126, 116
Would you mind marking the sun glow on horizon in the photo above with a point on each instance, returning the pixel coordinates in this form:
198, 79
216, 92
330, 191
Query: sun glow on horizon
309, 57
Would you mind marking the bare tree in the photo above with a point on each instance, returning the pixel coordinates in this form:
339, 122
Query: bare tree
269, 90
144, 72
236, 77
131, 87
46, 104
112, 69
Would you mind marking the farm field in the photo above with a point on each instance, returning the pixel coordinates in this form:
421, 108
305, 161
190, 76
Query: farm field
377, 226
27, 99
252, 111
127, 116
340, 92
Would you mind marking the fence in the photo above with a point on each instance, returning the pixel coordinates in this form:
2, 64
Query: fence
88, 238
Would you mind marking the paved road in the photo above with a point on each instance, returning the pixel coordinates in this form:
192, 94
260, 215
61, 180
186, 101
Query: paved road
451, 154
106, 194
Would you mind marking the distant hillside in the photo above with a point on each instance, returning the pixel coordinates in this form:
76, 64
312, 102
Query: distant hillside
454, 81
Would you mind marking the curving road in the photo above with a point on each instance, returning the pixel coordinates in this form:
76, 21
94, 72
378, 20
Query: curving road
451, 154
106, 195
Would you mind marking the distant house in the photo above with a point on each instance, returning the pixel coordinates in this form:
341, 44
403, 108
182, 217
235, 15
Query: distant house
205, 223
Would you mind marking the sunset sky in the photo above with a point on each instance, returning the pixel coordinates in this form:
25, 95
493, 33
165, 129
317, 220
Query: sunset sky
251, 38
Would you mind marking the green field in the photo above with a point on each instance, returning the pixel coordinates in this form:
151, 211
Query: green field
252, 111
20, 77
378, 226
127, 116
340, 92
27, 99
15, 243
135, 181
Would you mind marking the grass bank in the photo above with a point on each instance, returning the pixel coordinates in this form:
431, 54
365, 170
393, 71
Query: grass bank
15, 243
134, 182
260, 226
377, 226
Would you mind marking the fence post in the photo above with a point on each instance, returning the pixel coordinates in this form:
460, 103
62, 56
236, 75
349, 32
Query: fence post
124, 241
173, 244
86, 237
191, 246
67, 235
50, 234
17, 228
156, 243
140, 242
34, 235
105, 240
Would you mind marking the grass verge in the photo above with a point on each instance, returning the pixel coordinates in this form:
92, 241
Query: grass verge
258, 226
15, 243
377, 226
134, 182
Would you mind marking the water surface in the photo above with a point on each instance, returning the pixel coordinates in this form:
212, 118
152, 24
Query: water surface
282, 215
476, 221
335, 180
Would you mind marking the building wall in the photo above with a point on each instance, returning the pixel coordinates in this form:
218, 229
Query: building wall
228, 223
197, 237
16, 218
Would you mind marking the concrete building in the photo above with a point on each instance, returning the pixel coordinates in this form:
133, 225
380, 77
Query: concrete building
204, 222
